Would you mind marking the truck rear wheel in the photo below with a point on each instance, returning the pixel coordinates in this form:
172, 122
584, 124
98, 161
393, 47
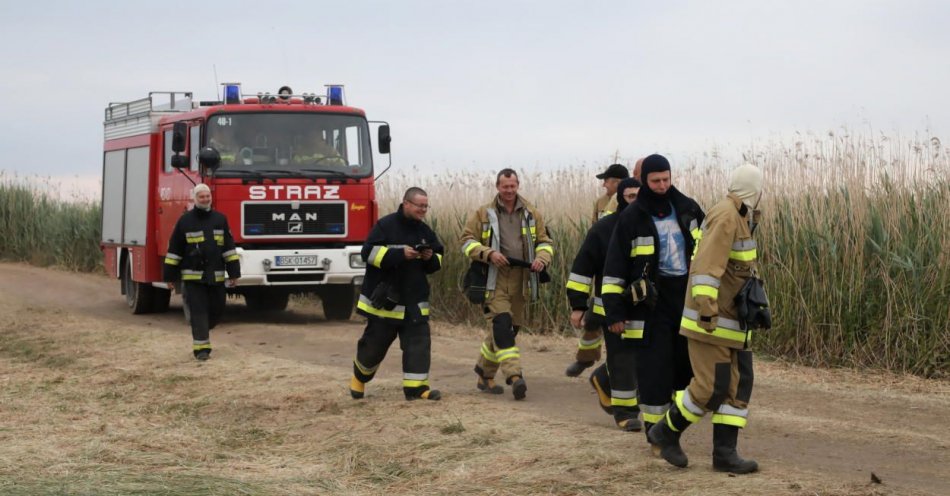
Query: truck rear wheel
138, 295
338, 301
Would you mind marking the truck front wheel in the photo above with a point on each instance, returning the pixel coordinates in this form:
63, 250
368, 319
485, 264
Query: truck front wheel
338, 301
266, 301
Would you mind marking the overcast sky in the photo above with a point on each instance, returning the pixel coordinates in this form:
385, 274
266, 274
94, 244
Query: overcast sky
489, 83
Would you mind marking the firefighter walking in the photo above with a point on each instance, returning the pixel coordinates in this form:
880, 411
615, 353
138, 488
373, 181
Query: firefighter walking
505, 230
718, 340
589, 344
200, 252
645, 281
400, 252
616, 380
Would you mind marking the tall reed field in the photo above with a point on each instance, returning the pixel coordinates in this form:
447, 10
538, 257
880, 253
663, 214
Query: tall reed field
38, 226
854, 243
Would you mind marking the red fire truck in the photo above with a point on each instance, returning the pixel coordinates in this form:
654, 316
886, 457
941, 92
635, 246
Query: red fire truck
292, 172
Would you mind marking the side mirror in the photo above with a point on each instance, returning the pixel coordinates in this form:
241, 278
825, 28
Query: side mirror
179, 131
384, 138
180, 161
209, 158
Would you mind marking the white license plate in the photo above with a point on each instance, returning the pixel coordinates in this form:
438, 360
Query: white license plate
295, 260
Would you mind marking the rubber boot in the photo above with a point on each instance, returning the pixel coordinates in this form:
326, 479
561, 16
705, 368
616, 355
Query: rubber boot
725, 456
518, 387
428, 394
577, 368
357, 388
646, 431
600, 381
629, 424
668, 440
489, 386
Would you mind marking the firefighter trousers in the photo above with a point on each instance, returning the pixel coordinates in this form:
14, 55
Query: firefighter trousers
505, 312
663, 359
415, 342
588, 346
622, 374
722, 384
205, 305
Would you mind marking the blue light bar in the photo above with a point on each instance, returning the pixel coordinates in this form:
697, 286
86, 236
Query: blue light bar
335, 94
232, 93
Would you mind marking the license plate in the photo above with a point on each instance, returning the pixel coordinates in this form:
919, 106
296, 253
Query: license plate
295, 260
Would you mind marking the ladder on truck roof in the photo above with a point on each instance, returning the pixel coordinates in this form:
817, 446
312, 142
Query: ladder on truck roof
124, 119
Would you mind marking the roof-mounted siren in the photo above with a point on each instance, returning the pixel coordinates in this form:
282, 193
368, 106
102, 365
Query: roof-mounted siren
232, 92
335, 94
285, 92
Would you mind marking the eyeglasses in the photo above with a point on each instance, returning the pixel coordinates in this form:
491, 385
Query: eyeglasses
423, 207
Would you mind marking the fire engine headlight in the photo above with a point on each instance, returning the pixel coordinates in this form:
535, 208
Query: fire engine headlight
356, 261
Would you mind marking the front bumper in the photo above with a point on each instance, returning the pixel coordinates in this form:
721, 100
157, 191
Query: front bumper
259, 267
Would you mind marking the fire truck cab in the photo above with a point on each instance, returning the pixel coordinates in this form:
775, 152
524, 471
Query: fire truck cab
293, 174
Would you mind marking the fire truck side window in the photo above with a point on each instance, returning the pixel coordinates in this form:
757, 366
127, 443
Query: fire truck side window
168, 150
194, 145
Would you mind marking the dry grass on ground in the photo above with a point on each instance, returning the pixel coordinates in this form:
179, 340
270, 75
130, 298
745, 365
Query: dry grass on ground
88, 408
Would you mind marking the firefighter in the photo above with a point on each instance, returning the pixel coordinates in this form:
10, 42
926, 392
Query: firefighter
608, 202
200, 251
645, 281
588, 346
507, 228
718, 343
616, 389
313, 150
400, 252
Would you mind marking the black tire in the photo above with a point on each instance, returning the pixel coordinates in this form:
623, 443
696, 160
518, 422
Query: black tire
264, 300
338, 301
160, 299
138, 295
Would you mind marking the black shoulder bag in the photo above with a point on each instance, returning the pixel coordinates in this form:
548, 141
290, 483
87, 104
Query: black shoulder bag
752, 304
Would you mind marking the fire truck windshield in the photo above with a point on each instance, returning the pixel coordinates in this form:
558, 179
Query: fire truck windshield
292, 144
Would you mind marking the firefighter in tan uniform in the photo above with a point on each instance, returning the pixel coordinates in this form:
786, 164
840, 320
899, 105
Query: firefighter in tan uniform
592, 338
506, 230
718, 342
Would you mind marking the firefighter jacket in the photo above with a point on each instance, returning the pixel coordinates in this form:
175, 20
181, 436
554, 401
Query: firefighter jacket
201, 249
587, 271
724, 260
394, 288
481, 237
633, 252
606, 204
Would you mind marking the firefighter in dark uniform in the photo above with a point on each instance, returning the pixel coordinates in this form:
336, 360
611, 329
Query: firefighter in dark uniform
718, 341
400, 252
615, 381
645, 281
588, 346
200, 251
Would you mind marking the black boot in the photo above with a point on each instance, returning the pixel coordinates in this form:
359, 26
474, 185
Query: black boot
577, 368
646, 430
668, 440
725, 456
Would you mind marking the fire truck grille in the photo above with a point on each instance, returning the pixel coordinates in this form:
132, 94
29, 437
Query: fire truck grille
281, 219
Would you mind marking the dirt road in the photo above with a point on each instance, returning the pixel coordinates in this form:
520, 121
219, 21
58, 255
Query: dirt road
812, 431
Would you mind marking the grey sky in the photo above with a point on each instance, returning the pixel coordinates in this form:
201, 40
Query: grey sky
490, 83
